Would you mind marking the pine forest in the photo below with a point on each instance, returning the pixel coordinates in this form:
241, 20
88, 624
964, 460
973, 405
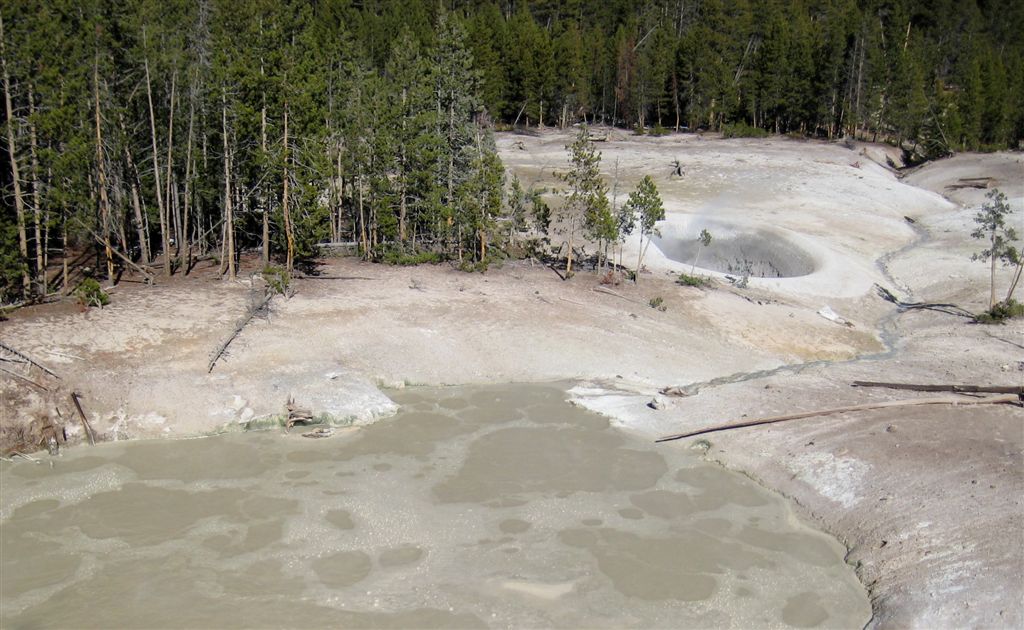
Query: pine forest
146, 135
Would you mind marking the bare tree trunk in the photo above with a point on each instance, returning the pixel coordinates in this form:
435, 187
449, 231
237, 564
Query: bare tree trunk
339, 184
857, 114
174, 204
46, 232
170, 162
288, 232
140, 222
229, 219
19, 200
362, 219
64, 233
639, 258
36, 194
1016, 280
156, 174
266, 198
200, 210
992, 277
102, 172
404, 177
184, 244
451, 154
568, 255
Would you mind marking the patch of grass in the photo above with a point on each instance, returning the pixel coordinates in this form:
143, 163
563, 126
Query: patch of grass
743, 130
90, 293
687, 280
401, 258
1001, 312
658, 303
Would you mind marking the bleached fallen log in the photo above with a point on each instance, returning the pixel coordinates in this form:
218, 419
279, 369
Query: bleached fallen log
995, 400
239, 325
27, 380
29, 360
618, 295
960, 389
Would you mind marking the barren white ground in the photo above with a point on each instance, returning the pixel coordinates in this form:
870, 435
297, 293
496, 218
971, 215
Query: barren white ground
928, 501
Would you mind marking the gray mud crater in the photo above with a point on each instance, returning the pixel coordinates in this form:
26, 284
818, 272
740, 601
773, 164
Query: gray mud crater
494, 506
738, 251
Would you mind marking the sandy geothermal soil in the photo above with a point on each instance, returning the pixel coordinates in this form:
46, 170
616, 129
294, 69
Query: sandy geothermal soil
927, 499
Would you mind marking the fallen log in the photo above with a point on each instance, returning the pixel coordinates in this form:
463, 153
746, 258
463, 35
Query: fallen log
675, 391
557, 272
1012, 399
959, 389
27, 380
970, 182
23, 357
106, 243
618, 295
131, 263
296, 414
85, 422
239, 325
949, 309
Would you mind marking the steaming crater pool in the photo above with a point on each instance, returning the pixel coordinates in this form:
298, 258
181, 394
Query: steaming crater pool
735, 249
497, 506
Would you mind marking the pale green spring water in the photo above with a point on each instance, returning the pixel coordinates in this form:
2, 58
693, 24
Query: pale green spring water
474, 507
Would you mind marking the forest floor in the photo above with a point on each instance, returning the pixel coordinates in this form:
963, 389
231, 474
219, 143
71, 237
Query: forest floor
927, 499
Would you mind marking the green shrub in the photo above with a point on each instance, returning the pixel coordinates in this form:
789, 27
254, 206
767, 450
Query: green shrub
396, 256
278, 279
1001, 312
743, 130
659, 130
687, 280
90, 293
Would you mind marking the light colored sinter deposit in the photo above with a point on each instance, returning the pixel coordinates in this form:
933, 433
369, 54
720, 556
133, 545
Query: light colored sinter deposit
927, 500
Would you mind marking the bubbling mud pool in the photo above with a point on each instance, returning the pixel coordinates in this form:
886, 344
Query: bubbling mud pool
497, 506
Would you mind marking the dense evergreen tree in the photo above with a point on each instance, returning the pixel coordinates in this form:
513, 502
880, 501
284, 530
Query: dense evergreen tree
586, 211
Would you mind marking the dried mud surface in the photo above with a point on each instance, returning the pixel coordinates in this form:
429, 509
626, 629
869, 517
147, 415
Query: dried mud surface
928, 500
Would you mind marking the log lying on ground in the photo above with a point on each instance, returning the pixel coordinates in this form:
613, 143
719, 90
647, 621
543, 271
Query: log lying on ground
1011, 399
22, 378
618, 295
253, 310
971, 182
296, 414
28, 360
949, 309
131, 263
960, 389
675, 391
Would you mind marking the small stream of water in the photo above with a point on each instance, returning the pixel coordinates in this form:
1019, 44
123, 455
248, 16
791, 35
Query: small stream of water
886, 331
499, 506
